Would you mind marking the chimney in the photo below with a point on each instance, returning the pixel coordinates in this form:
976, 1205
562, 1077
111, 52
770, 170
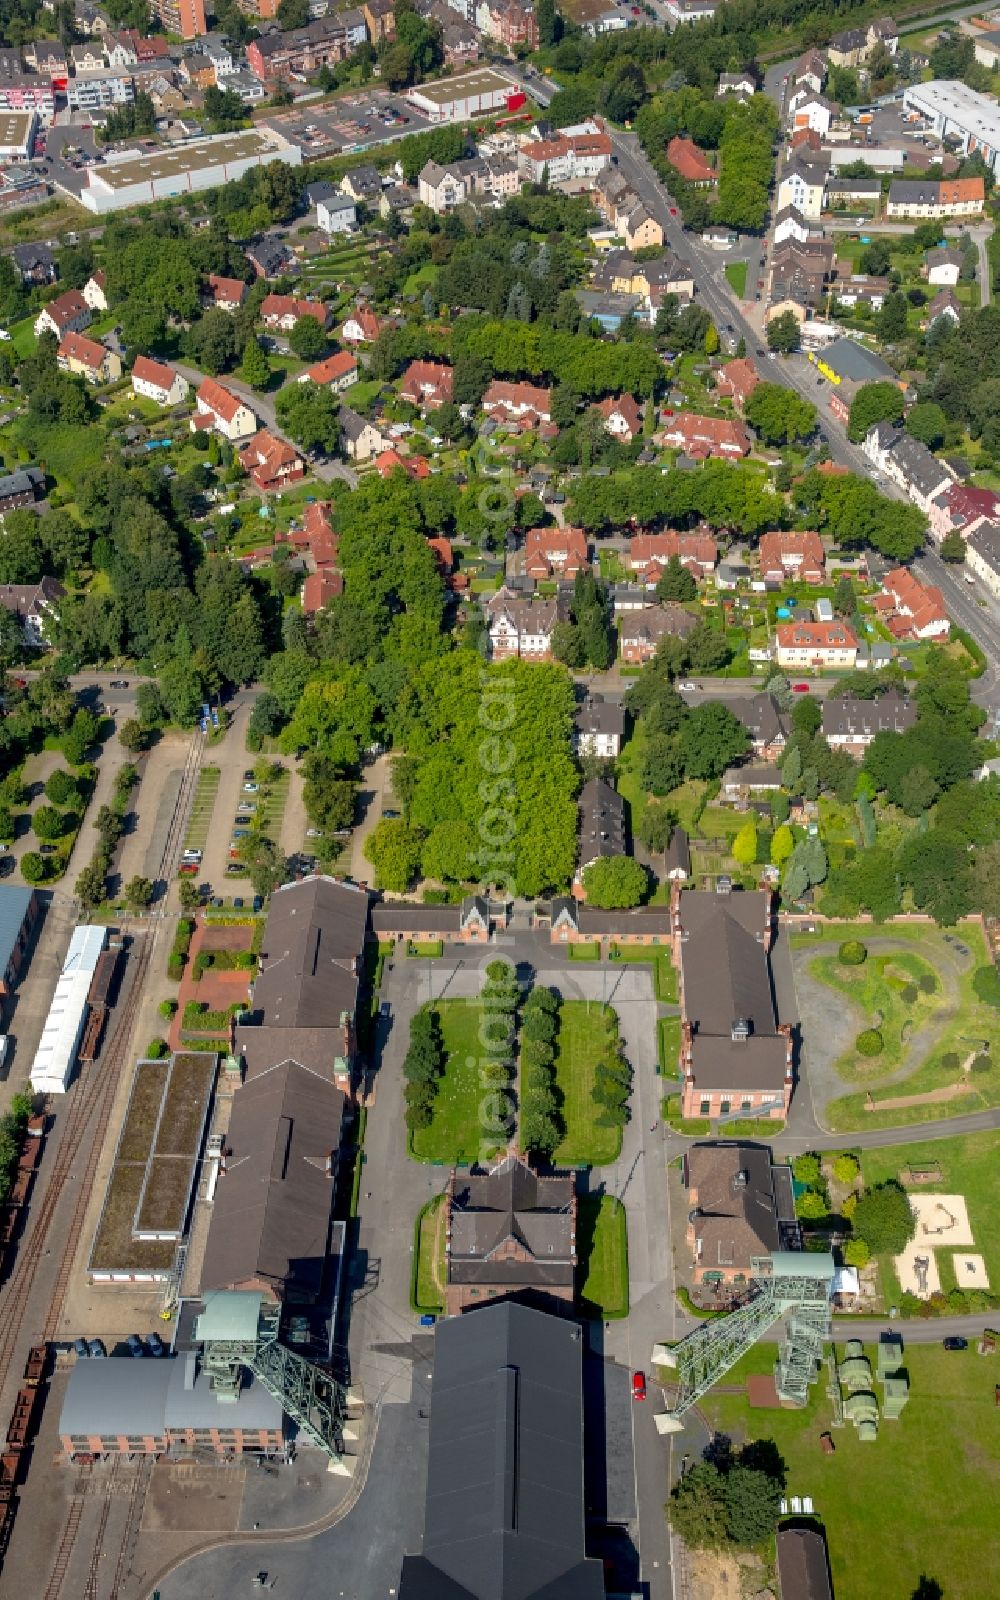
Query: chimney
740, 1030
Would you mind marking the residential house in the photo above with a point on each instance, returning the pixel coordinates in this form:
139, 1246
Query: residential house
822, 645
336, 213
701, 437
427, 384
742, 84
648, 554
640, 632
564, 157
460, 42
601, 827
505, 1491
789, 223
517, 402
95, 292
226, 294
336, 372
851, 724
362, 326
87, 359
852, 192
555, 551
523, 628
571, 921
792, 555
961, 508
811, 69
622, 416
316, 538
907, 463
853, 47
916, 198
362, 183
389, 461
361, 439
741, 1209
271, 462
512, 23
218, 409
35, 262
68, 313
469, 922
33, 605
677, 857
736, 1051
914, 610
944, 305
380, 20
509, 1231
737, 380
270, 256
156, 381
599, 727
802, 186
982, 555
443, 187
943, 266
681, 11
859, 289
322, 42
21, 488
641, 231
282, 312
763, 719
810, 110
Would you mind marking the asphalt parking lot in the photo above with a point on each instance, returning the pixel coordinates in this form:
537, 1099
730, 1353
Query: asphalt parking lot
355, 122
890, 129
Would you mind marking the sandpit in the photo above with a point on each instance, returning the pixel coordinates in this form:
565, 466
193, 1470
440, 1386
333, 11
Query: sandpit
970, 1270
942, 1221
917, 1270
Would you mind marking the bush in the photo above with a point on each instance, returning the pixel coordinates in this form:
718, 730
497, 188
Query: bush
986, 982
982, 1063
856, 1253
846, 1168
927, 983
869, 1042
807, 1168
811, 1206
950, 1061
167, 1009
908, 994
34, 867
852, 953
156, 1049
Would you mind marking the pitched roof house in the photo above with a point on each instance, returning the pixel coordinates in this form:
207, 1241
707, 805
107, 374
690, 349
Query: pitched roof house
601, 829
219, 409
640, 632
687, 160
622, 416
271, 462
67, 313
427, 383
156, 381
738, 379
507, 1231
517, 627
88, 359
336, 372
815, 644
701, 437
226, 294
792, 554
518, 401
851, 724
555, 550
362, 326
598, 727
741, 1208
284, 310
918, 608
648, 553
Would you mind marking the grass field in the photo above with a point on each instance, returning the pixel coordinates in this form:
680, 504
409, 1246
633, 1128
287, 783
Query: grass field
455, 1133
585, 952
668, 1038
736, 275
428, 1256
969, 1166
882, 989
918, 1502
580, 1045
602, 1243
664, 973
202, 806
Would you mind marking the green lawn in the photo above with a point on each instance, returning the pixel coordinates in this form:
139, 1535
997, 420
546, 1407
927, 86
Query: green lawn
431, 948
969, 1166
602, 1245
455, 1133
664, 973
68, 451
428, 1261
882, 989
425, 277
200, 820
668, 1035
736, 275
580, 1045
585, 952
918, 1502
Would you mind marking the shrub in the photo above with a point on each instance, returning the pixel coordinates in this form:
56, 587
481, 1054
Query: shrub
156, 1049
986, 982
950, 1061
34, 867
982, 1063
927, 983
167, 1009
869, 1042
852, 953
846, 1168
908, 994
811, 1205
807, 1168
849, 1206
856, 1253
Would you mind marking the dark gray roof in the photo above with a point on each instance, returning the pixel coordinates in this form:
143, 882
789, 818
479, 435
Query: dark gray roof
678, 853
986, 543
367, 176
752, 775
887, 713
270, 254
504, 1518
647, 921
758, 713
260, 1048
352, 425
14, 903
650, 624
271, 1218
123, 1396
310, 956
727, 978
919, 465
854, 186
29, 256
597, 715
914, 191
802, 1565
511, 1203
319, 191
602, 821
24, 481
736, 1212
851, 360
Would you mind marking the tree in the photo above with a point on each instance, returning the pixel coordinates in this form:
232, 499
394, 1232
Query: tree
778, 415
393, 848
615, 882
549, 23
782, 844
61, 788
952, 548
676, 582
132, 736
711, 739
255, 368
48, 823
697, 1509
846, 1168
35, 868
662, 765
936, 865
876, 258
852, 953
292, 14
266, 866
311, 415
654, 827
856, 1253
783, 333
138, 893
884, 1220
892, 318
308, 339
224, 110
874, 402
745, 844
928, 423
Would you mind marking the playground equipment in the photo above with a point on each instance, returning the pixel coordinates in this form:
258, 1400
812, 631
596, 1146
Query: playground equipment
790, 1283
239, 1330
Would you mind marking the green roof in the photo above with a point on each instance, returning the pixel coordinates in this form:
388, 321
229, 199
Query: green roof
229, 1314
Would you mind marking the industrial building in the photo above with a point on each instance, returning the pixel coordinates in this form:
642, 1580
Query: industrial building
17, 135
471, 94
958, 115
18, 914
56, 1054
198, 164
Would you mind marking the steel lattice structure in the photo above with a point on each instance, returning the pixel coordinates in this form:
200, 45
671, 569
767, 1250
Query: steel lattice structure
310, 1396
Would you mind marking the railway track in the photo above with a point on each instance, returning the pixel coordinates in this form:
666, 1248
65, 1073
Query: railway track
133, 1515
64, 1550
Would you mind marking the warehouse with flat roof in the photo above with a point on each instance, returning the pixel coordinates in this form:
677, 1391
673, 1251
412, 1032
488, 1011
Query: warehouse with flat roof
17, 135
960, 114
56, 1054
183, 169
470, 94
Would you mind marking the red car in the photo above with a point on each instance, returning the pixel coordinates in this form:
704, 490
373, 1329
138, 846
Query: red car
638, 1386
800, 688
673, 211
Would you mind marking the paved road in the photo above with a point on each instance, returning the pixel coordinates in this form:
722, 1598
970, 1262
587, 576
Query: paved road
264, 408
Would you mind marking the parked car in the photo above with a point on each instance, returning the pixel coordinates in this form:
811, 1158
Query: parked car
81, 1347
956, 1342
237, 903
96, 1347
687, 687
136, 1348
638, 1386
119, 683
47, 850
800, 688
156, 1347
251, 788
248, 775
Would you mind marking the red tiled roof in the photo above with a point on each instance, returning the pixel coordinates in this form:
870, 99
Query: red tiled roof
921, 603
268, 455
815, 636
319, 589
77, 347
149, 371
67, 307
555, 549
516, 395
738, 378
334, 367
622, 405
390, 460
367, 321
445, 555
279, 306
427, 380
227, 288
646, 548
775, 547
701, 435
685, 157
213, 397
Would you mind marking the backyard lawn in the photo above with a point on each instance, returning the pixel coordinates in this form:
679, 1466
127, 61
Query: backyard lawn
580, 1045
454, 1134
602, 1272
918, 1502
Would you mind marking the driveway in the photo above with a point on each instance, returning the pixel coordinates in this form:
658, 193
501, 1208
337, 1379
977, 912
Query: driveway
374, 796
264, 408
